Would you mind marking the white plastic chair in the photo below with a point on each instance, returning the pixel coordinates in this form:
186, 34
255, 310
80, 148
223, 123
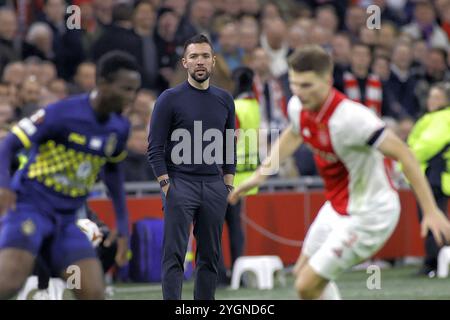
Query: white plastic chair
262, 266
443, 262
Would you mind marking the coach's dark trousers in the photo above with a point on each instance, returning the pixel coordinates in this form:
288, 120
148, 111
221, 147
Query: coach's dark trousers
204, 203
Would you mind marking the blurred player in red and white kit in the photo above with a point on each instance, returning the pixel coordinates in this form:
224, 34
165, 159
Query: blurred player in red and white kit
350, 144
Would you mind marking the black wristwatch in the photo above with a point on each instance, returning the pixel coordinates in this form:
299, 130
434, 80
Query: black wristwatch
164, 183
230, 188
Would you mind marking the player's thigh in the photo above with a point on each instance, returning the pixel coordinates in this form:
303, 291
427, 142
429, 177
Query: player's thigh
85, 279
21, 236
319, 230
15, 266
69, 246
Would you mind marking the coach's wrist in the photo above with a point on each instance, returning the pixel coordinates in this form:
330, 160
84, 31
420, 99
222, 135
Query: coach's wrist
230, 188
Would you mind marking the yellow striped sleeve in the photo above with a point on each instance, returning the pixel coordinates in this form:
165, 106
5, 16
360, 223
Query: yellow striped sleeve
120, 157
22, 136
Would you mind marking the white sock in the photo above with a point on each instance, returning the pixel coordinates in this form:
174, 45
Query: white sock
331, 292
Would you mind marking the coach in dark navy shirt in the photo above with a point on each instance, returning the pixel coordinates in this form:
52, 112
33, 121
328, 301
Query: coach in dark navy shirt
192, 153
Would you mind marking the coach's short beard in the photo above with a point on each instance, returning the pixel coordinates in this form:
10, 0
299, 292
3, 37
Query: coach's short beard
201, 79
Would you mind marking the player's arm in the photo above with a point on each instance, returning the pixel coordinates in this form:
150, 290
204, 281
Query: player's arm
113, 177
281, 149
9, 147
434, 220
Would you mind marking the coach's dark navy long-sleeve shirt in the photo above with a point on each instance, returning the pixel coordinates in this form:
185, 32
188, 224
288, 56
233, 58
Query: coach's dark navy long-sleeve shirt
189, 133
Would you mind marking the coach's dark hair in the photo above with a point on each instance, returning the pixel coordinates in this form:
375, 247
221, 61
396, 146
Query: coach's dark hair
311, 58
199, 38
110, 63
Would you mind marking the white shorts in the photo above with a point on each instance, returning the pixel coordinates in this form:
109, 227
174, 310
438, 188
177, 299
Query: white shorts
335, 242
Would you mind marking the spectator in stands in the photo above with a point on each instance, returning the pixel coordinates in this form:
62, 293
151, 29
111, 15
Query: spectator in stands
271, 10
29, 95
424, 25
251, 7
47, 73
84, 79
232, 8
10, 45
143, 105
268, 92
387, 35
40, 41
103, 11
136, 165
381, 67
144, 26
297, 37
355, 19
327, 18
358, 83
430, 142
6, 113
58, 88
228, 45
402, 82
119, 35
274, 42
248, 36
14, 73
67, 43
435, 70
168, 44
201, 17
341, 50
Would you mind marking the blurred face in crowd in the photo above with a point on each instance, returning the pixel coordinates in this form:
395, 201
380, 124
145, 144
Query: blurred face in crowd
85, 76
232, 7
199, 61
249, 37
420, 51
143, 105
229, 38
297, 37
402, 56
310, 87
202, 12
404, 128
276, 32
387, 35
6, 113
30, 92
326, 18
270, 11
55, 10
321, 36
251, 7
360, 58
103, 10
168, 25
368, 36
8, 24
260, 62
436, 99
435, 64
144, 16
381, 68
355, 18
58, 88
341, 49
14, 73
47, 73
179, 6
138, 140
424, 13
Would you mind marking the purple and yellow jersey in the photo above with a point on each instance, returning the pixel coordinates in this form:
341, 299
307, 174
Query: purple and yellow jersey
68, 147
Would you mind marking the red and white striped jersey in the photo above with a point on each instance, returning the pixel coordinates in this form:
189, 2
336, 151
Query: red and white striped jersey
343, 136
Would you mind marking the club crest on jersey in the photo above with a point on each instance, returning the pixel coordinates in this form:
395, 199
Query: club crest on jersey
110, 145
323, 138
28, 227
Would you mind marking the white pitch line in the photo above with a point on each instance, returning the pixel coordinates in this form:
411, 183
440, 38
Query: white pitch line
137, 289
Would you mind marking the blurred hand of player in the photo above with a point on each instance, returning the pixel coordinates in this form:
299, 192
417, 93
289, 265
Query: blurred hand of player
7, 200
255, 180
122, 251
165, 189
438, 224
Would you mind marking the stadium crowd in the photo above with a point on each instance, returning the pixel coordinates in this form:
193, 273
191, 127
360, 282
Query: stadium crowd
390, 68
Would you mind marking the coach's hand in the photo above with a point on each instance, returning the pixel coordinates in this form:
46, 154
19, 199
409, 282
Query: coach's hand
7, 200
122, 251
438, 224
